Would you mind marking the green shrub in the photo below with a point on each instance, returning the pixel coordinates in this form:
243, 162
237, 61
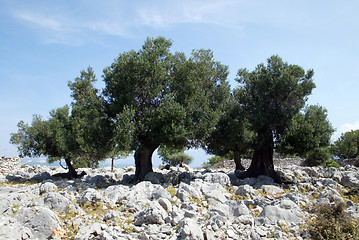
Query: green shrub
212, 161
331, 163
330, 222
318, 156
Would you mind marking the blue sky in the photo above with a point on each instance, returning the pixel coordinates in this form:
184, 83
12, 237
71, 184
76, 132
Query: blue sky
45, 44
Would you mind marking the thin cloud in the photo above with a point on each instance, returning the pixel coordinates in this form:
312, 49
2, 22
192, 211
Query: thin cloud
345, 128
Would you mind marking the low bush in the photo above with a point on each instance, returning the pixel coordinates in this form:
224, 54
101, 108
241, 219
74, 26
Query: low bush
329, 221
318, 156
331, 163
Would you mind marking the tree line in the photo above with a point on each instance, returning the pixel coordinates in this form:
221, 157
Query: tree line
154, 98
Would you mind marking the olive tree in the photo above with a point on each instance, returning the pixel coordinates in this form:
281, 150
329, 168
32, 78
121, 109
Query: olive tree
80, 135
271, 95
158, 97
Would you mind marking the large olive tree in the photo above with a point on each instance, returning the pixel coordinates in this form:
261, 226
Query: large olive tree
271, 95
158, 97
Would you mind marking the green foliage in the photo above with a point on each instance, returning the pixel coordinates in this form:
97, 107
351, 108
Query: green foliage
347, 146
173, 156
90, 125
308, 130
318, 156
232, 132
331, 222
164, 98
213, 161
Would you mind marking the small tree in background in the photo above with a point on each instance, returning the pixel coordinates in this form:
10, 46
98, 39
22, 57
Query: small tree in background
80, 138
232, 134
347, 146
173, 157
308, 136
271, 95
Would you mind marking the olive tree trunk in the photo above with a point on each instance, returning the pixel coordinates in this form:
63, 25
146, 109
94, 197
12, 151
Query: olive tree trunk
262, 160
143, 161
72, 172
237, 160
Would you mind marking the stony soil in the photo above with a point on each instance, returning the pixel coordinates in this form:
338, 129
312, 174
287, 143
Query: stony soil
172, 204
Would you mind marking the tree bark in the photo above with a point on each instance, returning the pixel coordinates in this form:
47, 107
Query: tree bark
72, 172
237, 160
143, 161
262, 161
113, 164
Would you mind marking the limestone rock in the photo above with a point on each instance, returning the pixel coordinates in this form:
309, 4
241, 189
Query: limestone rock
42, 221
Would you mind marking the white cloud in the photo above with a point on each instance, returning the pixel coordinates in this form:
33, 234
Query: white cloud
345, 128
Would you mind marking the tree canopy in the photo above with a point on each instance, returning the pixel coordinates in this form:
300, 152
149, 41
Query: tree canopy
158, 97
347, 146
310, 129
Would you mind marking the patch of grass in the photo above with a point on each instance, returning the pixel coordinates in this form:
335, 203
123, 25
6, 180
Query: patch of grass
329, 221
171, 191
70, 228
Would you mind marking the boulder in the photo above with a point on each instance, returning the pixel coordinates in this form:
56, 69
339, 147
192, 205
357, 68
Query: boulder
189, 229
57, 202
42, 221
12, 229
276, 213
154, 177
154, 213
217, 177
47, 187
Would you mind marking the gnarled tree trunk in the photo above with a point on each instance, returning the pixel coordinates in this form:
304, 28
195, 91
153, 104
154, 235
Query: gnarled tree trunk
143, 161
237, 160
72, 172
262, 160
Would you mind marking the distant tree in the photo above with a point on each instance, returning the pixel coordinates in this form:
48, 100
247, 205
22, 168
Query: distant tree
80, 138
163, 98
213, 161
309, 130
347, 146
173, 156
271, 95
231, 134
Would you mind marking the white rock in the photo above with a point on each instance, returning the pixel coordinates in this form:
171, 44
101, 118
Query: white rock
276, 213
166, 204
154, 213
272, 190
189, 229
40, 220
245, 190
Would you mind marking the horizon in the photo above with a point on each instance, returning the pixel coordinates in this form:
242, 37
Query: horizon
44, 45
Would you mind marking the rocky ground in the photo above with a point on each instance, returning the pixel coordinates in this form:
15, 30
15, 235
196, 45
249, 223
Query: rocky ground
172, 204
